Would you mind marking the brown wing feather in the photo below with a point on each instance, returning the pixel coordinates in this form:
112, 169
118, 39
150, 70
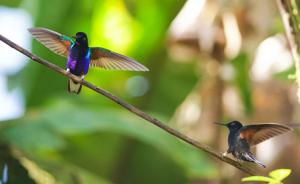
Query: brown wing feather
109, 60
255, 134
56, 42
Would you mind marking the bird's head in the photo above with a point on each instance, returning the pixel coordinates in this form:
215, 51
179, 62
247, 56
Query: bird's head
81, 39
233, 125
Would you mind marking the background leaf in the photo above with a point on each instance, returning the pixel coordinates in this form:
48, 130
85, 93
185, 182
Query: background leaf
63, 130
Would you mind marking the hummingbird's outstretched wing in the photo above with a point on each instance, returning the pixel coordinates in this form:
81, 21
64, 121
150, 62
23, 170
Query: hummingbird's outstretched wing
56, 42
104, 58
255, 134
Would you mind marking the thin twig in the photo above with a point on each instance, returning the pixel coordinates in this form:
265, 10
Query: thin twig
245, 168
290, 17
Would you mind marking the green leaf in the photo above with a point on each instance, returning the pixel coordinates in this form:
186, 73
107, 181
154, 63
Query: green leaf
11, 3
79, 175
242, 80
286, 75
280, 174
46, 132
259, 178
275, 182
292, 76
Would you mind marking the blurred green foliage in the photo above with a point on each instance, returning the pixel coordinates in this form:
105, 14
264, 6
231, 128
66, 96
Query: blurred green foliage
94, 140
242, 80
86, 138
11, 3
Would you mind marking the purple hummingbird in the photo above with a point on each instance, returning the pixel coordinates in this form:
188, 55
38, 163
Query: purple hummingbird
81, 56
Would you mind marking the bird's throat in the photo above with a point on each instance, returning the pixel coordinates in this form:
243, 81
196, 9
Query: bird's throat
79, 51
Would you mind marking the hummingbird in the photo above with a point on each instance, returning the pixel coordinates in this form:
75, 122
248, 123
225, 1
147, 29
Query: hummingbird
81, 56
241, 138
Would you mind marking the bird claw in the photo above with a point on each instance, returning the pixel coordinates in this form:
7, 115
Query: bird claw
82, 77
224, 154
68, 70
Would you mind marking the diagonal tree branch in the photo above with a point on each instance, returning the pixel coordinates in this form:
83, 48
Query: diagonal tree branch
243, 167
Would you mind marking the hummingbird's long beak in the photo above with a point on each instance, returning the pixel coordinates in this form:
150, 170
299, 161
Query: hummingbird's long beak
222, 124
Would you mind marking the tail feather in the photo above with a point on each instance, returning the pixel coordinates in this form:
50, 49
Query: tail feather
259, 163
252, 158
74, 87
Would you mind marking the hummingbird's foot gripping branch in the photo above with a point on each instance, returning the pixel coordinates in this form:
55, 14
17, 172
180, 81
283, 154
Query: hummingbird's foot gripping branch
129, 107
224, 154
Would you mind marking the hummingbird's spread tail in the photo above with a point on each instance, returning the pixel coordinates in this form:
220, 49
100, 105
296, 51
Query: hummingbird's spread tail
259, 163
251, 158
74, 87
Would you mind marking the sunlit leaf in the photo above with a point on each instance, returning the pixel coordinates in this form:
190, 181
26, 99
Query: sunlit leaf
280, 174
112, 26
258, 178
287, 75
